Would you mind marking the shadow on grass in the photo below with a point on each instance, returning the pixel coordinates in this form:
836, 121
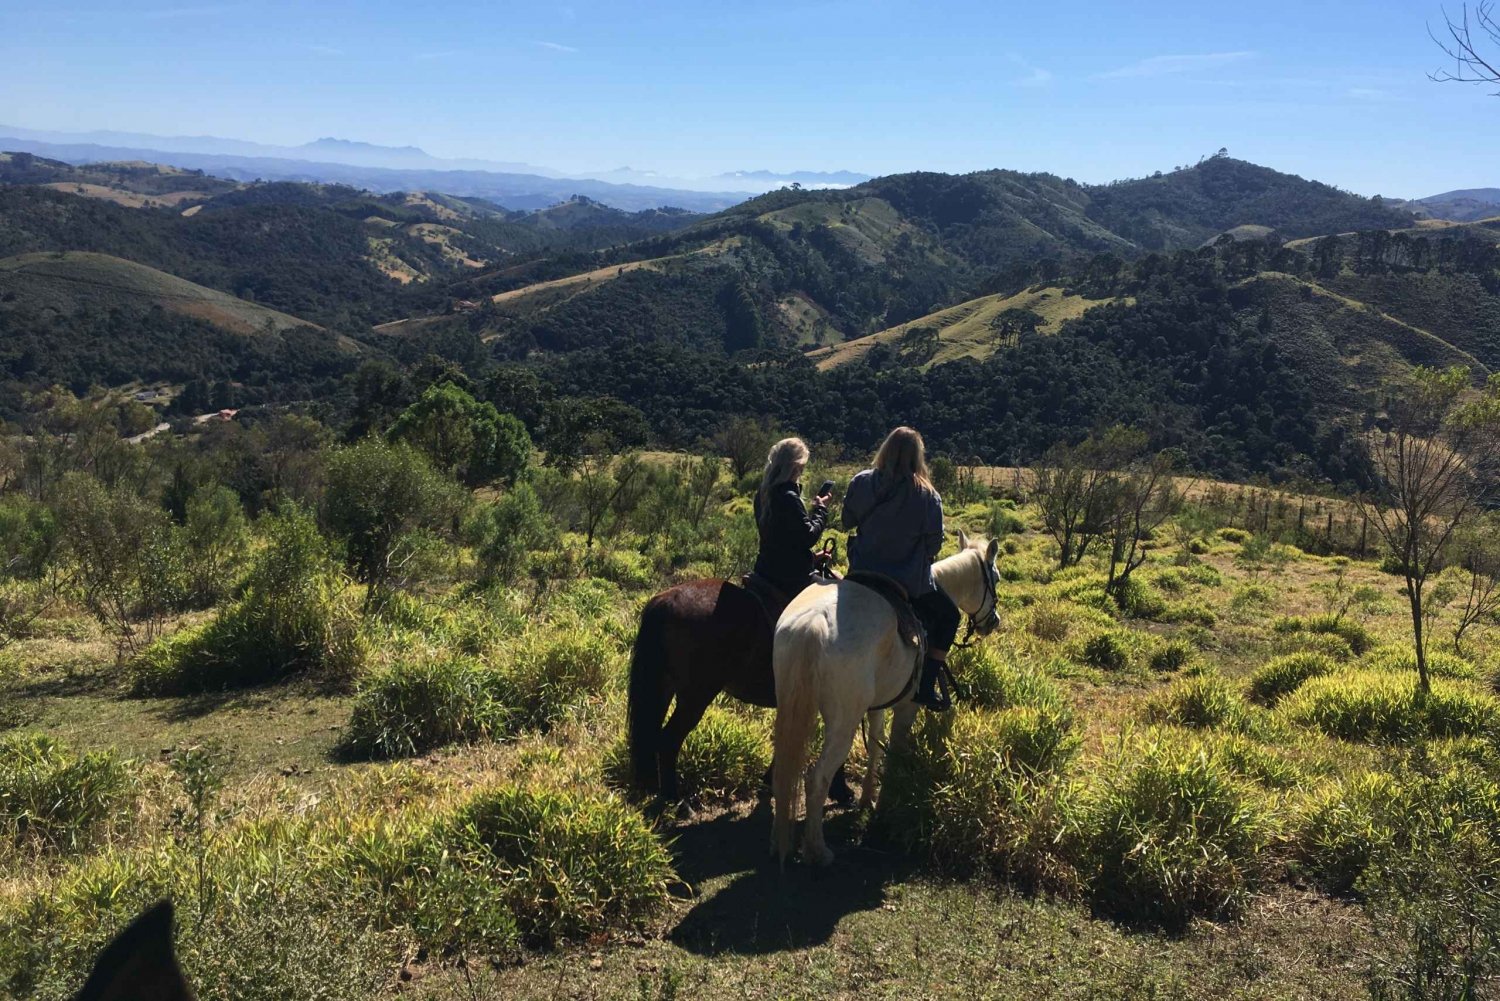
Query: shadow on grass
764, 909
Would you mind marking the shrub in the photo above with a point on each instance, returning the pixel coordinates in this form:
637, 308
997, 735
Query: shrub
1106, 651
725, 756
1357, 636
463, 436
546, 679
215, 537
504, 533
1004, 521
1193, 612
1205, 700
1049, 620
1173, 655
1199, 547
1250, 595
295, 616
990, 681
1169, 580
420, 703
1403, 660
1203, 575
28, 536
1171, 834
1339, 829
1379, 707
1138, 599
1238, 536
975, 792
567, 864
1324, 644
1284, 675
51, 796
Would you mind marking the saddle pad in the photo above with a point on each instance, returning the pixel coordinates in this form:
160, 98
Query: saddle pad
908, 626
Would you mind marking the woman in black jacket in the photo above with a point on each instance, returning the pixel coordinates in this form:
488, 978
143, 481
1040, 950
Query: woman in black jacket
787, 531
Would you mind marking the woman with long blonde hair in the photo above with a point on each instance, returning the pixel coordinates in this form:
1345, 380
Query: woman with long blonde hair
788, 531
899, 517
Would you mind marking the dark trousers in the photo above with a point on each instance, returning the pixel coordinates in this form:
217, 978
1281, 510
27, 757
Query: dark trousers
940, 617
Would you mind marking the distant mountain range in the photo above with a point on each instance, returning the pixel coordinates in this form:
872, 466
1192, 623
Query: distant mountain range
1468, 205
401, 168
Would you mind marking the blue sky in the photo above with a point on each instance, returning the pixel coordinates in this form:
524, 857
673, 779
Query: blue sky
1090, 89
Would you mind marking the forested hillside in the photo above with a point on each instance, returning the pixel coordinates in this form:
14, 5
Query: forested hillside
1001, 312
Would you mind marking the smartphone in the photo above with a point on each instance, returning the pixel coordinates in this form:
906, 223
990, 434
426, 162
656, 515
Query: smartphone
826, 488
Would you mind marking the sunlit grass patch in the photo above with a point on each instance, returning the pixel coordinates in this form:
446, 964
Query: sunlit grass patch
52, 796
724, 757
1283, 675
1383, 707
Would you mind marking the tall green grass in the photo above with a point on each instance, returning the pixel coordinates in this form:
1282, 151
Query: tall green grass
54, 797
1382, 707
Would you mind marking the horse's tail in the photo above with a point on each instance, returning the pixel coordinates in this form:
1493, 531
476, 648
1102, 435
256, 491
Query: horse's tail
647, 695
794, 656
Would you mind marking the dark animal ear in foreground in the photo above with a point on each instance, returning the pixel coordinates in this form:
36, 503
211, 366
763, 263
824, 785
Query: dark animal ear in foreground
993, 551
139, 964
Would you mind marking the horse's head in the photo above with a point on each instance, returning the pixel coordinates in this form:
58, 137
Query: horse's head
984, 616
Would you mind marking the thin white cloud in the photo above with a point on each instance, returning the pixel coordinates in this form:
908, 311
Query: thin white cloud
555, 46
1172, 65
1038, 77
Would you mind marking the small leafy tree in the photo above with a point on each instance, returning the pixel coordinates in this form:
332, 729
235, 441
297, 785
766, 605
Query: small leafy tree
504, 533
381, 499
118, 547
1472, 583
465, 437
602, 479
215, 536
1434, 470
744, 441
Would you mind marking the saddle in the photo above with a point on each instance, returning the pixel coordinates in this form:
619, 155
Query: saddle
908, 626
773, 600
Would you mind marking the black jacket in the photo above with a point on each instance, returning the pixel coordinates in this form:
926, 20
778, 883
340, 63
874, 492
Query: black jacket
787, 536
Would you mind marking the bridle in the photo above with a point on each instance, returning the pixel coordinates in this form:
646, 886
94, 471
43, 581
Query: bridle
988, 615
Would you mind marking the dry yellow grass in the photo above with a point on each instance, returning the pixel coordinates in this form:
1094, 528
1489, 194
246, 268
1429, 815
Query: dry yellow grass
966, 330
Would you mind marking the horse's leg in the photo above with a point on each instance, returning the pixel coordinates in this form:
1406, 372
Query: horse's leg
903, 717
686, 713
874, 753
838, 736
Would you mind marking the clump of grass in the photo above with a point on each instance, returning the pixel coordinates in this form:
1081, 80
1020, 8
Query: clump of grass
56, 798
1194, 612
1282, 676
1049, 620
989, 681
1340, 828
569, 864
1381, 707
1173, 833
1169, 580
1238, 536
1403, 660
1250, 596
548, 678
1173, 655
1325, 644
422, 702
1357, 636
977, 792
1202, 575
724, 757
1104, 650
1139, 600
1202, 701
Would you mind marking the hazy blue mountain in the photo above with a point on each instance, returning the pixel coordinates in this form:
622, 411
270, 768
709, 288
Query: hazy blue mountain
1464, 205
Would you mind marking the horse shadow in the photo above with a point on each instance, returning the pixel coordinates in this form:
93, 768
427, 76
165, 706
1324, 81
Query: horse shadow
763, 908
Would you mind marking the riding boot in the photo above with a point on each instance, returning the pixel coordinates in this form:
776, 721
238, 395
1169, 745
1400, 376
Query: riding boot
929, 693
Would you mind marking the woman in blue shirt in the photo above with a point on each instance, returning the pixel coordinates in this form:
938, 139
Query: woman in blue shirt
899, 517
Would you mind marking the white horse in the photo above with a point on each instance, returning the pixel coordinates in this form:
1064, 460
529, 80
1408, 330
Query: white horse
837, 651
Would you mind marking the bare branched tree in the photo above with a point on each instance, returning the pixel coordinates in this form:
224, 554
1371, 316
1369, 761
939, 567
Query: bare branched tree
1471, 39
1435, 471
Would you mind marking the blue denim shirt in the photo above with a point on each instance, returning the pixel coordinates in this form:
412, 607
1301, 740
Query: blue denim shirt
899, 535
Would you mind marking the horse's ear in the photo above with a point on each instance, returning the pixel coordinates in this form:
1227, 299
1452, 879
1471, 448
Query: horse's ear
963, 540
992, 551
139, 963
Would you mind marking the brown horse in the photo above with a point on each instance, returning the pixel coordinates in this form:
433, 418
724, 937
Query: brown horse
696, 640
